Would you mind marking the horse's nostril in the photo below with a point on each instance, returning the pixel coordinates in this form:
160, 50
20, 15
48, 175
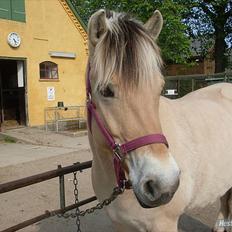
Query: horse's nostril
150, 193
151, 189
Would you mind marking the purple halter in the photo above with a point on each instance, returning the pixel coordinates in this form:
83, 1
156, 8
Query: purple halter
119, 150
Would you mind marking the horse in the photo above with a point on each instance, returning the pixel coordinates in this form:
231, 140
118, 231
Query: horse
176, 154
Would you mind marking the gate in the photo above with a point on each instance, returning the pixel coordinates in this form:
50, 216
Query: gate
56, 173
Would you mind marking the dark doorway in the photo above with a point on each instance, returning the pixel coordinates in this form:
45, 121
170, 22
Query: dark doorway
12, 93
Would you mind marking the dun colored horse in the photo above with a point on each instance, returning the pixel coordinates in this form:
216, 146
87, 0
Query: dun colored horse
170, 155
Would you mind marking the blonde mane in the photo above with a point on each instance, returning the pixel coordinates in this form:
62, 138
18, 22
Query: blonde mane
126, 50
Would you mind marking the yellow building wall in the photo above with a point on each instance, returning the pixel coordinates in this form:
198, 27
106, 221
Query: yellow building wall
48, 28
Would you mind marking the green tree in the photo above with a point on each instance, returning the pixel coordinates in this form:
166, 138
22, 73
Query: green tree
211, 22
173, 41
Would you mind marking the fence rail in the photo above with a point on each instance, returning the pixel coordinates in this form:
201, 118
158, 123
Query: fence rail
9, 186
200, 76
47, 214
27, 181
178, 86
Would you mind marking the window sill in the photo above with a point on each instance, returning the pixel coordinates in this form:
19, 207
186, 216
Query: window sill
49, 80
14, 20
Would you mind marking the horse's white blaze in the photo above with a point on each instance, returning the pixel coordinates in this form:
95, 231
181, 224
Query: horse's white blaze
148, 167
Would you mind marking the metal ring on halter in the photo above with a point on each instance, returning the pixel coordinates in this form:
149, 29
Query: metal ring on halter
89, 97
126, 184
117, 151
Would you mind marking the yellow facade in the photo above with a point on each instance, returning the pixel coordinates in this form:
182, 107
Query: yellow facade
49, 26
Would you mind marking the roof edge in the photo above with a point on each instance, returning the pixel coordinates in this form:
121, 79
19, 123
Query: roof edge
76, 20
76, 14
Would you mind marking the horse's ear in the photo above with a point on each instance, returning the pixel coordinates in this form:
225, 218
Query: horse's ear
154, 24
96, 26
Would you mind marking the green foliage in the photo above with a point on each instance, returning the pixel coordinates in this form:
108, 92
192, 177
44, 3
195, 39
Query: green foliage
173, 41
8, 139
210, 22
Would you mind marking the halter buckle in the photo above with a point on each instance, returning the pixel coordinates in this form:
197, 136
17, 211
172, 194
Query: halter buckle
89, 97
117, 151
126, 185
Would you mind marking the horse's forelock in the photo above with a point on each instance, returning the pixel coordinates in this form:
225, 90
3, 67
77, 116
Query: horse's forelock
127, 51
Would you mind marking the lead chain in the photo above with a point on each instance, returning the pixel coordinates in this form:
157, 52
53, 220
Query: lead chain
77, 212
116, 191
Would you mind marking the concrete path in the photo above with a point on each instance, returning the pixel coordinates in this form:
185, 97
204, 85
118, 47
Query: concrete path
15, 153
41, 137
96, 222
88, 224
34, 144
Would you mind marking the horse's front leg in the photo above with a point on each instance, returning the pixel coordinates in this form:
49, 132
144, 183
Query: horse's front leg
162, 225
166, 224
122, 228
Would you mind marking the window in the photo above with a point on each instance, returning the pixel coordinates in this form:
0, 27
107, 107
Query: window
48, 70
13, 10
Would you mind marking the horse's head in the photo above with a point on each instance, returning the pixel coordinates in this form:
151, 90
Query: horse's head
126, 85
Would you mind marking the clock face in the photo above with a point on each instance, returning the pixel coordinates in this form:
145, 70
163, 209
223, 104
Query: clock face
14, 39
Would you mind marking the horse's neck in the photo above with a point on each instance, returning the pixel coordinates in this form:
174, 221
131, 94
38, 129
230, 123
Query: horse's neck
176, 129
167, 114
171, 114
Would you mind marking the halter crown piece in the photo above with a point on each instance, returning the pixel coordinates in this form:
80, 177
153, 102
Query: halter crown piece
119, 150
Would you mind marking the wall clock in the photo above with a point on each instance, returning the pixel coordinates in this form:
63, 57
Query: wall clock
14, 39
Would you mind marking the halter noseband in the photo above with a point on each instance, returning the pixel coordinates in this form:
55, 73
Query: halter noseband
119, 150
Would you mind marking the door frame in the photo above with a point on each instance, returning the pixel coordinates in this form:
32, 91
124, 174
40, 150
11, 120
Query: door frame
25, 82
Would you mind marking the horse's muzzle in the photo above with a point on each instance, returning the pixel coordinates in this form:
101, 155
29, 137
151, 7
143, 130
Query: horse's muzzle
149, 195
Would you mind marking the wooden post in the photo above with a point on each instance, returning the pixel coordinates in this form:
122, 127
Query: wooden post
62, 189
193, 84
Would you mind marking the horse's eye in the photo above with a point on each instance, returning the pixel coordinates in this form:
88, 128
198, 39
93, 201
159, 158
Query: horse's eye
107, 92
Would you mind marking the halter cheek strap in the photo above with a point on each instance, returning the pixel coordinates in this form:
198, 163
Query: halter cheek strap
119, 150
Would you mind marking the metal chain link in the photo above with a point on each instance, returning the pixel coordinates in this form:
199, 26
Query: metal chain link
116, 191
78, 221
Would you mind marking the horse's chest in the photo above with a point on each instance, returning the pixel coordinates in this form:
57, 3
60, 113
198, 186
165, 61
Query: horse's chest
126, 212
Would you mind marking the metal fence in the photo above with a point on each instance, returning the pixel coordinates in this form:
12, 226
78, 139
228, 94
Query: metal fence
178, 86
64, 117
59, 172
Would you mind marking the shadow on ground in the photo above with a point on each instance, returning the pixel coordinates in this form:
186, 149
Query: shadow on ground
189, 224
99, 222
